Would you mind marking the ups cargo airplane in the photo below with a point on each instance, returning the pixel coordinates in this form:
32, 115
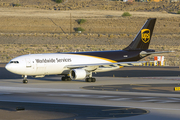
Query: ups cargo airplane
81, 65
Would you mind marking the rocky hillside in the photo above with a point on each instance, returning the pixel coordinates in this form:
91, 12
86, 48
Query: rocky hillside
172, 7
43, 26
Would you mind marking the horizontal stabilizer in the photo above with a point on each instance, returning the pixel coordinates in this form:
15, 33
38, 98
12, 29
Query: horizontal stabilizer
149, 53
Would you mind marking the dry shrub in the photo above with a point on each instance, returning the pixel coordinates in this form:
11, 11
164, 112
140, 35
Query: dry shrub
100, 35
125, 14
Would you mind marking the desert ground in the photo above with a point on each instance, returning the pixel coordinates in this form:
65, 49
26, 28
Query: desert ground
30, 28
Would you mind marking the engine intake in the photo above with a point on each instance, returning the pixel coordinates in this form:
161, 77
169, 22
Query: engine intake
78, 74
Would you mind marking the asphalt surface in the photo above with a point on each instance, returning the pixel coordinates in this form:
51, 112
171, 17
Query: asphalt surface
143, 96
142, 71
150, 88
69, 112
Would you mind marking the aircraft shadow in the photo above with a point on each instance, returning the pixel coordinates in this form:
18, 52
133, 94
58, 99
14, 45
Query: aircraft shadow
4, 74
138, 73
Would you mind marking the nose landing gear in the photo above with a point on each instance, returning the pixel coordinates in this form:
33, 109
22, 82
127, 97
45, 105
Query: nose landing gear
25, 79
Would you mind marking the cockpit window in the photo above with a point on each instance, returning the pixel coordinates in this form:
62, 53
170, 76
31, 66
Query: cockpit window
14, 61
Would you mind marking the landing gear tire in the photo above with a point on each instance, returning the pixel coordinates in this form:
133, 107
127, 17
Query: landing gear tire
25, 81
93, 80
63, 78
90, 79
66, 79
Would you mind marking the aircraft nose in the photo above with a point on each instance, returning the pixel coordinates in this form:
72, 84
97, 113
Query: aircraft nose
14, 68
8, 67
11, 68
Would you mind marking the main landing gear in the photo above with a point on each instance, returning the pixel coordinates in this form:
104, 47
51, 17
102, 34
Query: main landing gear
90, 79
25, 79
66, 78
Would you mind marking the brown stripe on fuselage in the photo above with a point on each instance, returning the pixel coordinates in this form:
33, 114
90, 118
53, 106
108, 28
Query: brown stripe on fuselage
112, 56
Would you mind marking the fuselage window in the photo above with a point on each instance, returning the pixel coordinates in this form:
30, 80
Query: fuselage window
14, 62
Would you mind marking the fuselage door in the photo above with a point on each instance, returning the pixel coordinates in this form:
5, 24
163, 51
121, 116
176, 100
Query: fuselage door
41, 68
28, 62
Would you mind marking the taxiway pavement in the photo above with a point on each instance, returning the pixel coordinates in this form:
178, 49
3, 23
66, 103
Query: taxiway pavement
142, 97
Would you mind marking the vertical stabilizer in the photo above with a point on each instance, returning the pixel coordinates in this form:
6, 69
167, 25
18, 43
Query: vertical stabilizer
143, 38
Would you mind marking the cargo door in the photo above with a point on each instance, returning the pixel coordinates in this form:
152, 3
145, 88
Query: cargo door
41, 68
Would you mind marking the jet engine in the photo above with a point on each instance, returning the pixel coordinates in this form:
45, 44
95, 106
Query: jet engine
78, 74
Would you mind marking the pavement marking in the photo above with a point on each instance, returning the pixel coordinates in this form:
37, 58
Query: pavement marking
176, 88
5, 93
170, 101
151, 100
81, 95
120, 99
117, 98
147, 97
174, 98
27, 90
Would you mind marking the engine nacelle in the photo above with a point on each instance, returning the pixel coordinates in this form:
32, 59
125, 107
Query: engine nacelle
78, 74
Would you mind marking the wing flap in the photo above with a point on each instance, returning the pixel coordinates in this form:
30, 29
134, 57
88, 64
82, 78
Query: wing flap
105, 64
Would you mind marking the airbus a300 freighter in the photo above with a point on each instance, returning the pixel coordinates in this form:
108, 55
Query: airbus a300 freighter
81, 65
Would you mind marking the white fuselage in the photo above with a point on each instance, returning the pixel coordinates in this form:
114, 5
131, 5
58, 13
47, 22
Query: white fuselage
52, 63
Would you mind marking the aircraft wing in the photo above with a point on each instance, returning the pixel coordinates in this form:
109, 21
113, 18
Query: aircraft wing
105, 64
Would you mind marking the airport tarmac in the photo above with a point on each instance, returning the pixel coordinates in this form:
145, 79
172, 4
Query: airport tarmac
143, 94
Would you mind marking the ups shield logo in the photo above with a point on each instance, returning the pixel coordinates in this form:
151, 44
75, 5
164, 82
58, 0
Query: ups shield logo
145, 35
